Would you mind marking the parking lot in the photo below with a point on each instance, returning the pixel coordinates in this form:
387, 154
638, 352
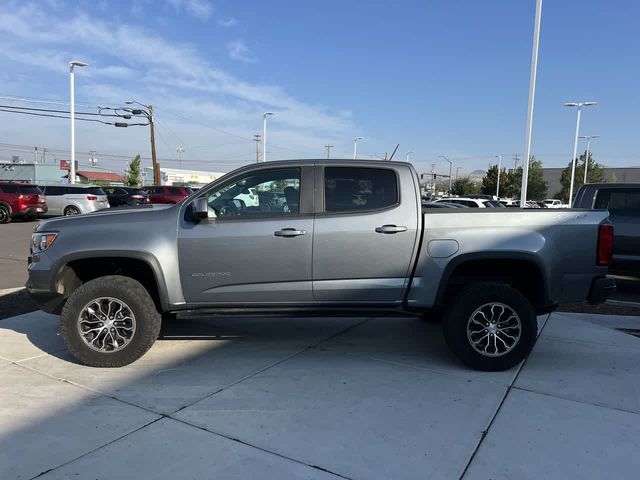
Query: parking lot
338, 397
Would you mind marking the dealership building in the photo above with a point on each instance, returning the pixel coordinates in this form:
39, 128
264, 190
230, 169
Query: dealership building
611, 175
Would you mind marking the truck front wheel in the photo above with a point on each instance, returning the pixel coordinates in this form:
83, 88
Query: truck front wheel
110, 322
490, 326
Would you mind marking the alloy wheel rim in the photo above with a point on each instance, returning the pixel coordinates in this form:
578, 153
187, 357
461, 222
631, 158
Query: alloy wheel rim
494, 329
106, 324
3, 214
72, 211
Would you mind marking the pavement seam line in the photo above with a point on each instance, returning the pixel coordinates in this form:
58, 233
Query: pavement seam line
271, 365
89, 389
262, 449
609, 407
485, 432
97, 448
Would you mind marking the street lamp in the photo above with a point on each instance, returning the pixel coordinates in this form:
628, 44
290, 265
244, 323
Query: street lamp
180, 151
499, 157
530, 104
72, 112
579, 105
586, 157
264, 135
450, 169
409, 153
355, 147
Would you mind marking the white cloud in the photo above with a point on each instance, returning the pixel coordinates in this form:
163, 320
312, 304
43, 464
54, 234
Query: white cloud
239, 51
228, 22
201, 9
129, 61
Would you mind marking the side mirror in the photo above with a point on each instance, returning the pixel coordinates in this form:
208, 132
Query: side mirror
201, 208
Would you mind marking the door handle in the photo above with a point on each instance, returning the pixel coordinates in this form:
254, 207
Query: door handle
289, 232
390, 229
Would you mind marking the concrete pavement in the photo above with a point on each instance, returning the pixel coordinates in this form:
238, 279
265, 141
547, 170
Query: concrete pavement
360, 398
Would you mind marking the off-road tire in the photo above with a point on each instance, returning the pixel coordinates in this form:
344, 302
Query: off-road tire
128, 290
461, 307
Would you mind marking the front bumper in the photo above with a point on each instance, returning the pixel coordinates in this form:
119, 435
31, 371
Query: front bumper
39, 284
600, 290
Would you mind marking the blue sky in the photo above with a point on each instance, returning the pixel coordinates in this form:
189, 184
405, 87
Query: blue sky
445, 77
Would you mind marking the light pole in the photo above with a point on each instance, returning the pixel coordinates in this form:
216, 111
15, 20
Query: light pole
355, 147
457, 170
180, 151
409, 153
586, 157
450, 169
72, 114
499, 157
532, 95
264, 135
579, 105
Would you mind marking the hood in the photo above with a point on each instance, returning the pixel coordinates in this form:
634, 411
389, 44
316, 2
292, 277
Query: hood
120, 215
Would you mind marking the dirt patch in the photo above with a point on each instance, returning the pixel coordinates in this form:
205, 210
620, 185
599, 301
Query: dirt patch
16, 303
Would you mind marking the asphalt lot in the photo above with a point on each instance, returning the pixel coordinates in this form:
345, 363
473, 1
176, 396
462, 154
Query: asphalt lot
359, 398
14, 250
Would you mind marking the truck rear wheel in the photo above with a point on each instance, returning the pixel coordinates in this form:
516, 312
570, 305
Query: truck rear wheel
110, 322
490, 326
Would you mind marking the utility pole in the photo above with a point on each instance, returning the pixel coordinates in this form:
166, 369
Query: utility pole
257, 138
154, 160
36, 154
457, 170
328, 147
433, 178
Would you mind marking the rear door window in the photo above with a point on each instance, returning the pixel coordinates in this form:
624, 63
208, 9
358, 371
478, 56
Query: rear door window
619, 201
10, 188
359, 188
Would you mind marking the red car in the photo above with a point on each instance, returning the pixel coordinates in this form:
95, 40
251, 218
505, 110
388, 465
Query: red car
21, 200
167, 193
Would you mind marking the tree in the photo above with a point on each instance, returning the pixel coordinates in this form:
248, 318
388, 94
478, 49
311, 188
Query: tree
132, 173
536, 186
464, 186
595, 174
511, 182
490, 180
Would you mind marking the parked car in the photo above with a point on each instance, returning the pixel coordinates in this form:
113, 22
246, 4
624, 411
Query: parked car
442, 205
622, 200
167, 193
21, 200
472, 202
74, 199
352, 236
553, 203
126, 196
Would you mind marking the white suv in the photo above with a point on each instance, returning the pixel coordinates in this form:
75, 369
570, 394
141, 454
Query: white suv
553, 203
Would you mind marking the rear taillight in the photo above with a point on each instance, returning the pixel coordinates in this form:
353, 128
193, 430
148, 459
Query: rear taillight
91, 197
605, 244
137, 197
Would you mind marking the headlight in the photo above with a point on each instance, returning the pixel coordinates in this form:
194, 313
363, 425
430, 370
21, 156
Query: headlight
41, 241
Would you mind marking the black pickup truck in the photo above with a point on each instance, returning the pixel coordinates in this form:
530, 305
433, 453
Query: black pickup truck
623, 202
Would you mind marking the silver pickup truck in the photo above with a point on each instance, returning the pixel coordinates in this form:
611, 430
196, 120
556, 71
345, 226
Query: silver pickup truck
317, 236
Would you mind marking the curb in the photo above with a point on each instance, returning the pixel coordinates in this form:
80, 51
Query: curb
7, 291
